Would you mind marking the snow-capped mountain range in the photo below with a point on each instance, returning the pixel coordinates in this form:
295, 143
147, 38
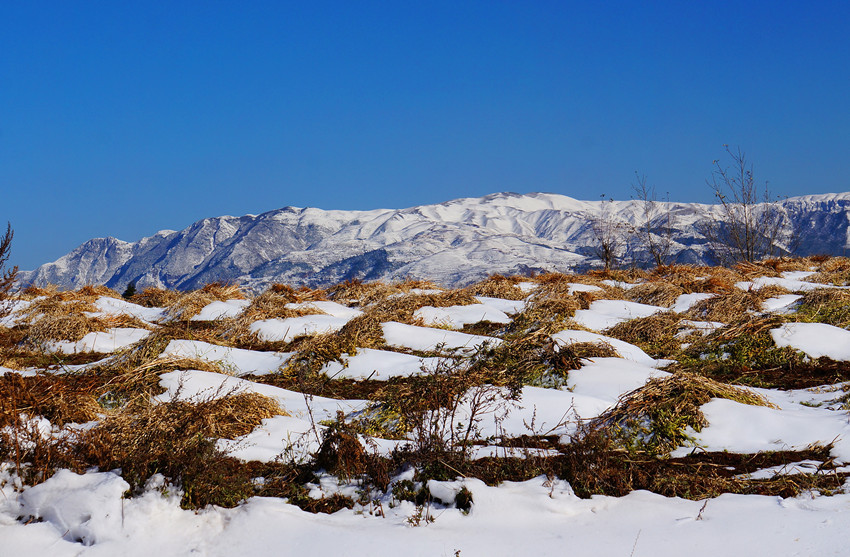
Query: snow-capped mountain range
451, 243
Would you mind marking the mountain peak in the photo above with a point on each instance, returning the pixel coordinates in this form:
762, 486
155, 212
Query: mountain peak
455, 242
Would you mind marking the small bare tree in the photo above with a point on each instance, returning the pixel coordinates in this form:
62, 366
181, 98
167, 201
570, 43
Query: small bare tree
609, 235
750, 220
8, 277
654, 230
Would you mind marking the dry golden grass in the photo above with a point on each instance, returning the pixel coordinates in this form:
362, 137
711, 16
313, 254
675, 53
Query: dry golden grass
358, 293
60, 317
783, 264
272, 305
749, 270
191, 303
498, 286
726, 307
653, 417
655, 335
315, 351
401, 307
834, 270
152, 297
59, 399
655, 293
87, 293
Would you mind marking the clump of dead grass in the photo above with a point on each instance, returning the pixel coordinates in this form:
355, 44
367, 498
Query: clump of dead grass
570, 356
726, 307
825, 305
60, 317
655, 293
177, 439
655, 335
401, 308
359, 293
750, 270
59, 399
833, 270
653, 418
313, 352
499, 286
152, 297
190, 304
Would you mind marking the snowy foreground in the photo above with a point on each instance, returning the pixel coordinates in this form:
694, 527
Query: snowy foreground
529, 518
89, 515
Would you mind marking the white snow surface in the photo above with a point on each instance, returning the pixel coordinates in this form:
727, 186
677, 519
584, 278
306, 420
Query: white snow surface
624, 349
604, 314
289, 329
107, 305
538, 516
238, 360
743, 428
686, 301
780, 304
814, 339
106, 341
507, 306
456, 317
331, 308
369, 363
427, 339
607, 379
794, 285
578, 287
15, 309
219, 310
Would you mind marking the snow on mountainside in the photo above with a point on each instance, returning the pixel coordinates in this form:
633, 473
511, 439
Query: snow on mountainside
455, 242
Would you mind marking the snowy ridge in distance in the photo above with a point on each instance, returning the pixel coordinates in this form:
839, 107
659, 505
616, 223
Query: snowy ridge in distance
451, 243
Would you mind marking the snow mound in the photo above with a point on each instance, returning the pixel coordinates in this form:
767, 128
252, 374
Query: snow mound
427, 339
814, 339
604, 314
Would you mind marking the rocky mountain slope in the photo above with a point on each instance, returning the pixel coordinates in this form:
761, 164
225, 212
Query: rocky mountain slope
455, 242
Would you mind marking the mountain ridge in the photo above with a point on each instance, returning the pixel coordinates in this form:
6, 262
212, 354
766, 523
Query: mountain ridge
454, 242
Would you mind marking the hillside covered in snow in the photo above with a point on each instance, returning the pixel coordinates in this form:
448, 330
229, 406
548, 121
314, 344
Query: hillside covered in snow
452, 243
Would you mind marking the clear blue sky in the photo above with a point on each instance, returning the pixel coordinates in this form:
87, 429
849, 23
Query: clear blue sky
124, 118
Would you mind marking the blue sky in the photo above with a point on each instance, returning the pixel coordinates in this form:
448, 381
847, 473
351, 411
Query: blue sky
124, 118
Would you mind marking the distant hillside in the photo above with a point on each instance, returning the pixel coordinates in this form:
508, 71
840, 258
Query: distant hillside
456, 242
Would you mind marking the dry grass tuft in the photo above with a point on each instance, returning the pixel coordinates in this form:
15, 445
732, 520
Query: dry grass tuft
272, 304
238, 414
315, 351
191, 303
359, 293
93, 292
653, 417
750, 270
60, 317
726, 307
177, 439
401, 307
59, 399
569, 356
31, 292
825, 305
152, 297
655, 293
499, 286
655, 335
834, 270
783, 264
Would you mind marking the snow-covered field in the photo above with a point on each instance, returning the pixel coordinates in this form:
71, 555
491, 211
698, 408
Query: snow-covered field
92, 513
